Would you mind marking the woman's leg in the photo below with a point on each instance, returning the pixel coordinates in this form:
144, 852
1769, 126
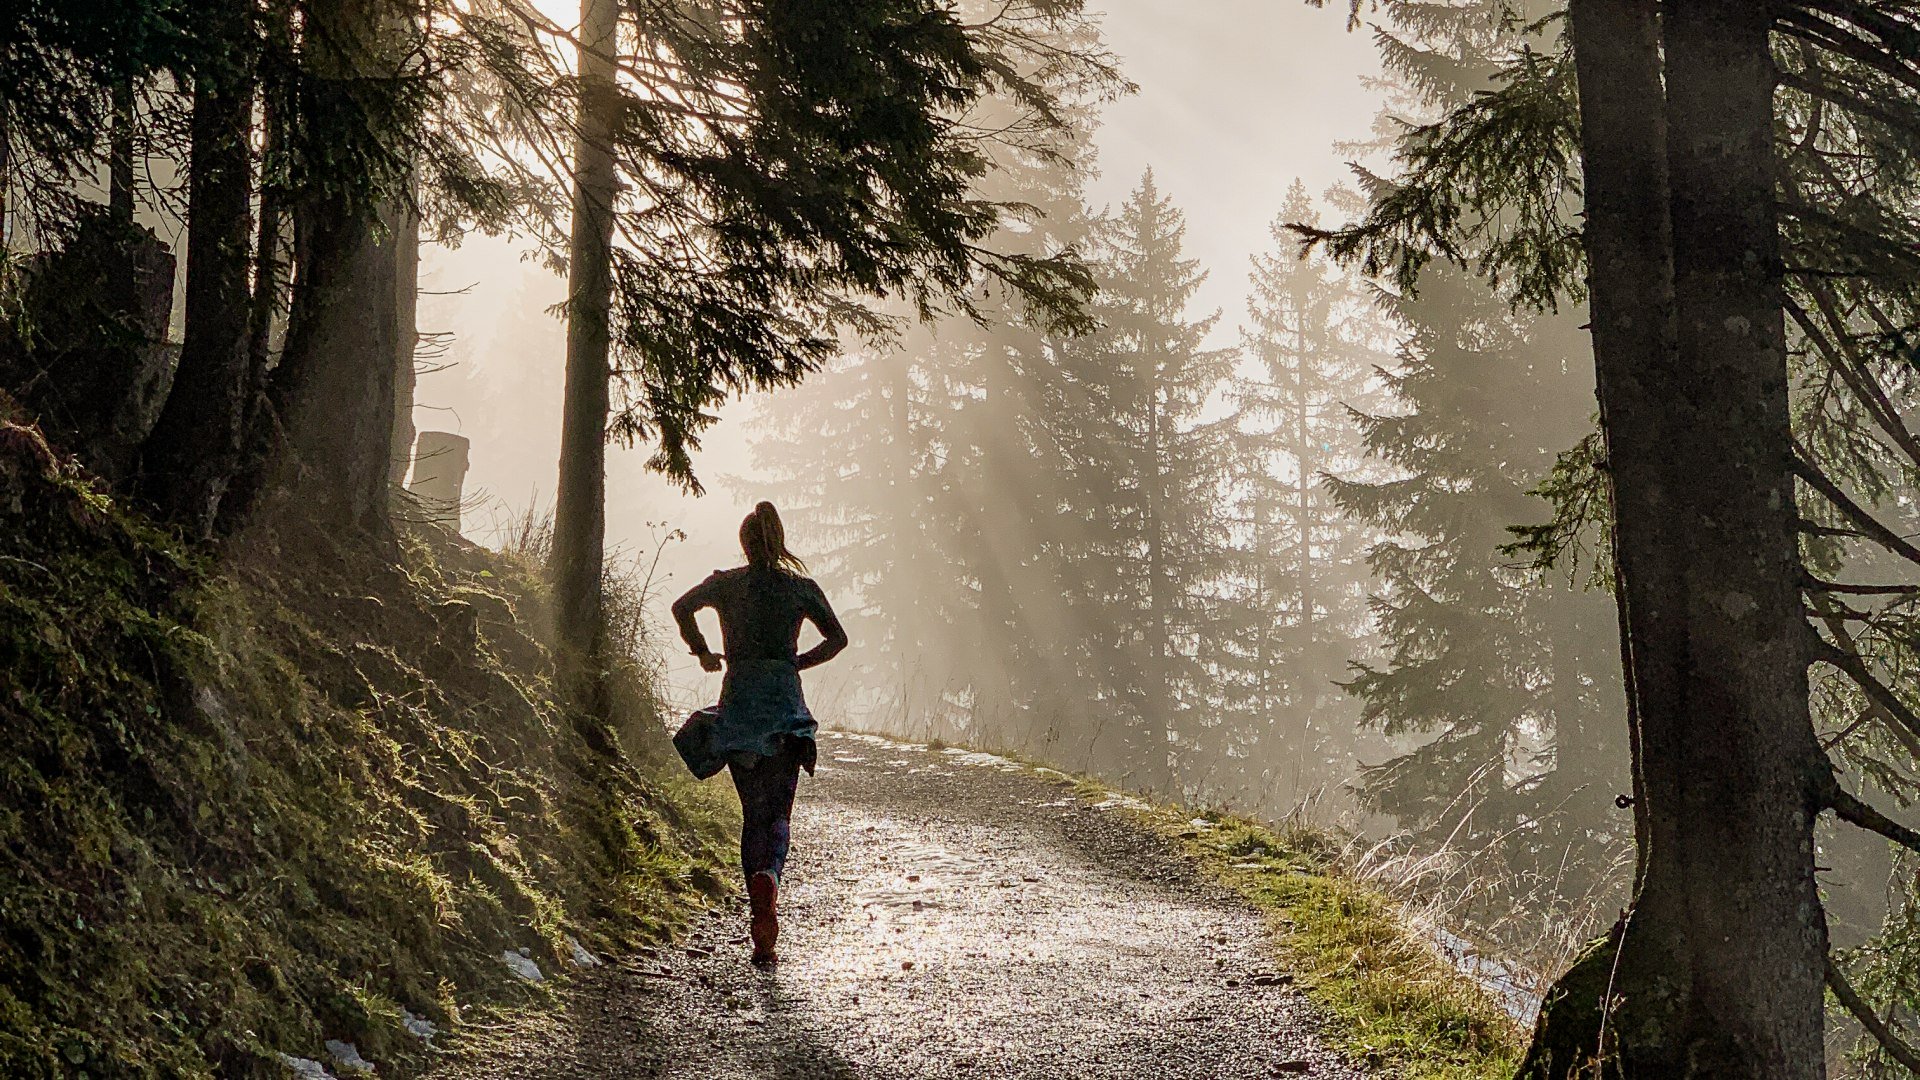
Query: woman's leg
766, 802
766, 788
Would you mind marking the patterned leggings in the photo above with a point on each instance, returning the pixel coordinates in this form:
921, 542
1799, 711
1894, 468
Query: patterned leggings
766, 792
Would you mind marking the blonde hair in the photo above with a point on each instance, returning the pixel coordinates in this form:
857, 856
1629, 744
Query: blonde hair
764, 540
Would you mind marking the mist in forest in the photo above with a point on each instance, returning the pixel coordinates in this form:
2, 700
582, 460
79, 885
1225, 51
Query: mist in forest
1240, 543
1474, 439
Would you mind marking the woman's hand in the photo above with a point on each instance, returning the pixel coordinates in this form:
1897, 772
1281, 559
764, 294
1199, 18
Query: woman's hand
710, 661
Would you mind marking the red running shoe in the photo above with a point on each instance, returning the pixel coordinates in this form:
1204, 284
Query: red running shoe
763, 894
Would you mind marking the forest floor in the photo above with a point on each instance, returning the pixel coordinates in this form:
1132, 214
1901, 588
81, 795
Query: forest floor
945, 914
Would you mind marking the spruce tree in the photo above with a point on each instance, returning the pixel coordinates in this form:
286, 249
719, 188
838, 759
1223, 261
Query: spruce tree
1296, 610
1154, 473
1502, 673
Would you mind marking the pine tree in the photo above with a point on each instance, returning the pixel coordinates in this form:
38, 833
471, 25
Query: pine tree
1153, 475
1505, 674
1297, 608
1497, 665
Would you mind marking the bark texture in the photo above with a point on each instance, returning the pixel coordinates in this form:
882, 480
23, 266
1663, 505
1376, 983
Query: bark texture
192, 454
1720, 958
579, 518
1732, 833
407, 311
335, 385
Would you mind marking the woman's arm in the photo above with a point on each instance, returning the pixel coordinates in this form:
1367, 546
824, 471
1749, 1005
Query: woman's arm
820, 613
685, 611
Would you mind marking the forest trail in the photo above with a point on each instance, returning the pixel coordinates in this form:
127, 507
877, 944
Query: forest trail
946, 915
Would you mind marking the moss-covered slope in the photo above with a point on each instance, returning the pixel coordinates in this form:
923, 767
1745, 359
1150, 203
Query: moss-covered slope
306, 795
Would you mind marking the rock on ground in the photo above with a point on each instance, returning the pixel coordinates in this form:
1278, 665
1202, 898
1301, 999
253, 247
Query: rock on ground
944, 916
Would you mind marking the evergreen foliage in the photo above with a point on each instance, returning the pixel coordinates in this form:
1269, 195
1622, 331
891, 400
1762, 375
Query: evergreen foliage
1507, 675
1295, 605
1155, 476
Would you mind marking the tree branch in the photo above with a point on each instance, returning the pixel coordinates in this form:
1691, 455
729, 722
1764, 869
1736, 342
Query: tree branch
1850, 998
1851, 589
1848, 807
1899, 720
1867, 523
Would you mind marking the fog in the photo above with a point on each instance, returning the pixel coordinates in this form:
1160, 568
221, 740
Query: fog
1235, 99
1331, 627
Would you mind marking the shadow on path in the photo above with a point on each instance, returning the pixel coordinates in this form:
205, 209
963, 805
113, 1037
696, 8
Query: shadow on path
946, 915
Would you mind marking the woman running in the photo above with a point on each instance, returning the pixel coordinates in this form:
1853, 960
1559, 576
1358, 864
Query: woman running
761, 729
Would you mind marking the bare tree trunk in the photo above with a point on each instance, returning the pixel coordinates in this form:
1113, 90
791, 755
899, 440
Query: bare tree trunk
6, 183
193, 451
1717, 969
1158, 775
407, 310
335, 381
120, 156
579, 519
267, 310
334, 387
270, 277
1743, 846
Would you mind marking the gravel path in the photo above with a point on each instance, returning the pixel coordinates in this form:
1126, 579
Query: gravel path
946, 915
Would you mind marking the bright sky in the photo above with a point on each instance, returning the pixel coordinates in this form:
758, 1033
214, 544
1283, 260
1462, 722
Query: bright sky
1237, 97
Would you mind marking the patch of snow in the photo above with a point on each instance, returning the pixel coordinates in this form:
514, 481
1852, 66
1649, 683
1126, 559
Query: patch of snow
418, 1026
870, 740
305, 1068
578, 952
1202, 824
1507, 984
522, 966
981, 759
1116, 799
347, 1056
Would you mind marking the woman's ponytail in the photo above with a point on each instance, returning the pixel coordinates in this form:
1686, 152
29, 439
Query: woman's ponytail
764, 540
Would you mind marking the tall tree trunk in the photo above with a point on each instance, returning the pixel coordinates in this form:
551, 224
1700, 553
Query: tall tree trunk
262, 431
579, 516
1743, 846
192, 453
6, 184
335, 381
1719, 962
1160, 699
334, 386
406, 345
120, 156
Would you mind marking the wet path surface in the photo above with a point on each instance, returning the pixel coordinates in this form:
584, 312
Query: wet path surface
947, 916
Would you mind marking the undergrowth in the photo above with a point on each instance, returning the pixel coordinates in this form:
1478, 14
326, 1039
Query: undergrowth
307, 794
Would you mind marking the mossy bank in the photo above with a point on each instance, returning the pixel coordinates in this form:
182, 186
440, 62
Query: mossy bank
308, 795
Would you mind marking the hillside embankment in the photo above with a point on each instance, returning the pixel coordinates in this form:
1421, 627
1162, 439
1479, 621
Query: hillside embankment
305, 805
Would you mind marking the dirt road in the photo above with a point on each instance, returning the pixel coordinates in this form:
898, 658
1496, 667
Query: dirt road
947, 915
